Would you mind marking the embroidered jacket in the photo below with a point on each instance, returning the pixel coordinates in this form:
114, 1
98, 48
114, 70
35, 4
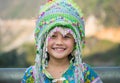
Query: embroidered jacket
90, 76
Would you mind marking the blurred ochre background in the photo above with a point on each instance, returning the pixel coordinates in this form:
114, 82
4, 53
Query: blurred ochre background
17, 23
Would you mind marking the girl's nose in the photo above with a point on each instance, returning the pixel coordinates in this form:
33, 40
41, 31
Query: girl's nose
59, 41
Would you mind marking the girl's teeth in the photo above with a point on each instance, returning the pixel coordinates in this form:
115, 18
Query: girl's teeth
59, 49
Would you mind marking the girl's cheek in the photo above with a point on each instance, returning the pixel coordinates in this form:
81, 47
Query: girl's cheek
49, 38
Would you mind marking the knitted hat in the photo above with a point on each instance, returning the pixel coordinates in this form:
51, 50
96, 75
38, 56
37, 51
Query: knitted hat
60, 12
63, 13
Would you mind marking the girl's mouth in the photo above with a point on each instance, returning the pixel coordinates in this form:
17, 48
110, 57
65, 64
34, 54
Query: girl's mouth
59, 49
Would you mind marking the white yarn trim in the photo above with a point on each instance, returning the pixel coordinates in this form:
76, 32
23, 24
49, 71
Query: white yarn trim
60, 79
97, 80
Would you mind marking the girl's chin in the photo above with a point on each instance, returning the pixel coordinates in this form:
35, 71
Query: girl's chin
59, 56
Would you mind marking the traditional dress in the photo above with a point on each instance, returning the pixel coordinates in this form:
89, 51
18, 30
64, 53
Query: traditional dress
67, 77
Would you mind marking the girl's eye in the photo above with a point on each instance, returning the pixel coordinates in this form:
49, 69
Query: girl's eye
67, 36
53, 36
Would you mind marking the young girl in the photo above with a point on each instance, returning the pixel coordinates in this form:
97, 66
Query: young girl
59, 38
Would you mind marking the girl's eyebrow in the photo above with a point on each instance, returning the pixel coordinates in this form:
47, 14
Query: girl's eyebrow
69, 34
53, 33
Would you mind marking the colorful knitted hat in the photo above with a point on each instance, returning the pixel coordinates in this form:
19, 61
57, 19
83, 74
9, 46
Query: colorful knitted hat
63, 13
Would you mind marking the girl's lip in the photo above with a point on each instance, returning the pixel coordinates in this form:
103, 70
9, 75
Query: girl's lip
59, 49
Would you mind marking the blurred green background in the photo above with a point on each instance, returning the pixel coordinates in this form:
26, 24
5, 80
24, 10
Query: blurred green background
17, 23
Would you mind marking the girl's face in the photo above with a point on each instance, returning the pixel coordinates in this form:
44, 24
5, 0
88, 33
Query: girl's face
60, 46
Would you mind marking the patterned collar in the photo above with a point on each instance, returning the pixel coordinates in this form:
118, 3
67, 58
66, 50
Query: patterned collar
65, 73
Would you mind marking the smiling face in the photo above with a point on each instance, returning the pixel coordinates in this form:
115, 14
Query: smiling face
60, 44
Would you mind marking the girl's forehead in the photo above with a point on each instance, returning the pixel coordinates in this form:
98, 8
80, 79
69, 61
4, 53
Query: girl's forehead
61, 30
